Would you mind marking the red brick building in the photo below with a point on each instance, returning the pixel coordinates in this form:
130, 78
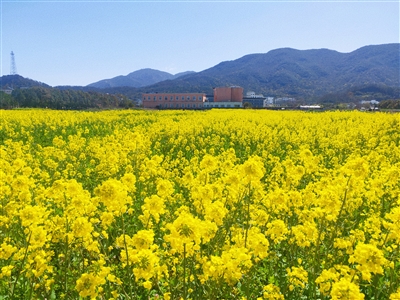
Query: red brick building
225, 96
228, 94
174, 100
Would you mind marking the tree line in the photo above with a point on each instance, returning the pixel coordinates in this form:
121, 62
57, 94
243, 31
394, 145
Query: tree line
43, 97
390, 104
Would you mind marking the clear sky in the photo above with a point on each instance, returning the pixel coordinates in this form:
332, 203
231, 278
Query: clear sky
80, 42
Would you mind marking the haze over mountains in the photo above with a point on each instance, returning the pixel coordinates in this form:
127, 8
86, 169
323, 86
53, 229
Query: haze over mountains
303, 74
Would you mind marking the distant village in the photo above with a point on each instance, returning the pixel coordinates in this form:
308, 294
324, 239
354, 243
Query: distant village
222, 97
226, 97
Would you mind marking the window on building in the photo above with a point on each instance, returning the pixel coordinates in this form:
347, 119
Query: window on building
177, 98
165, 98
183, 97
188, 98
171, 98
194, 98
155, 98
148, 98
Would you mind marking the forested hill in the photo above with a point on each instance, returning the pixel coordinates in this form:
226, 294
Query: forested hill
298, 73
17, 81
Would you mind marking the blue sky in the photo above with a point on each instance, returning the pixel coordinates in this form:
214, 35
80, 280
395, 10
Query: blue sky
81, 42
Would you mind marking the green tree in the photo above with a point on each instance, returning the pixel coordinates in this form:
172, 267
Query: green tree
7, 101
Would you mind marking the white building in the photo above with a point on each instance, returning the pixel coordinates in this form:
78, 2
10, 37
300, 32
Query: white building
269, 101
221, 104
7, 91
253, 95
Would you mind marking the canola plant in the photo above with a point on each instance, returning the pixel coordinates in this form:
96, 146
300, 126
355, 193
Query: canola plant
220, 204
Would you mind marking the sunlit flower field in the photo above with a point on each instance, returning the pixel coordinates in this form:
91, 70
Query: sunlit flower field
220, 204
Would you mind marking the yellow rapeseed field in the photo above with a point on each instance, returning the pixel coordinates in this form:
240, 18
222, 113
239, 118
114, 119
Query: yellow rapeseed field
220, 204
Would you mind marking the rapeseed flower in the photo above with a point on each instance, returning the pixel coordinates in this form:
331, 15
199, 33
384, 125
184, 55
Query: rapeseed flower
187, 233
298, 277
208, 204
7, 250
114, 195
272, 292
87, 285
230, 266
369, 259
395, 295
153, 206
277, 231
344, 289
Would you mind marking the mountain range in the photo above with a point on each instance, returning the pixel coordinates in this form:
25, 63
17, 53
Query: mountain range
298, 73
137, 79
303, 74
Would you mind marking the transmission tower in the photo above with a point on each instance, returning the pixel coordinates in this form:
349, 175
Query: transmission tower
13, 68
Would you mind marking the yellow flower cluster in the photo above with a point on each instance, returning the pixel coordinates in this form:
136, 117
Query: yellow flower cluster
219, 204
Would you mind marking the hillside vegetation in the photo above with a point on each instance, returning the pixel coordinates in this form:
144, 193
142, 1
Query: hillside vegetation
46, 97
297, 73
310, 76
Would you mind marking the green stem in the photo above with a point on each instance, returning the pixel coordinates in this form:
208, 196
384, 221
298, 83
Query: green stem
247, 216
393, 286
31, 290
227, 223
184, 272
22, 266
340, 213
316, 262
66, 260
375, 284
126, 254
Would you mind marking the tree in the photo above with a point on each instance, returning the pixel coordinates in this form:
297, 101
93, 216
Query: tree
7, 101
247, 105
